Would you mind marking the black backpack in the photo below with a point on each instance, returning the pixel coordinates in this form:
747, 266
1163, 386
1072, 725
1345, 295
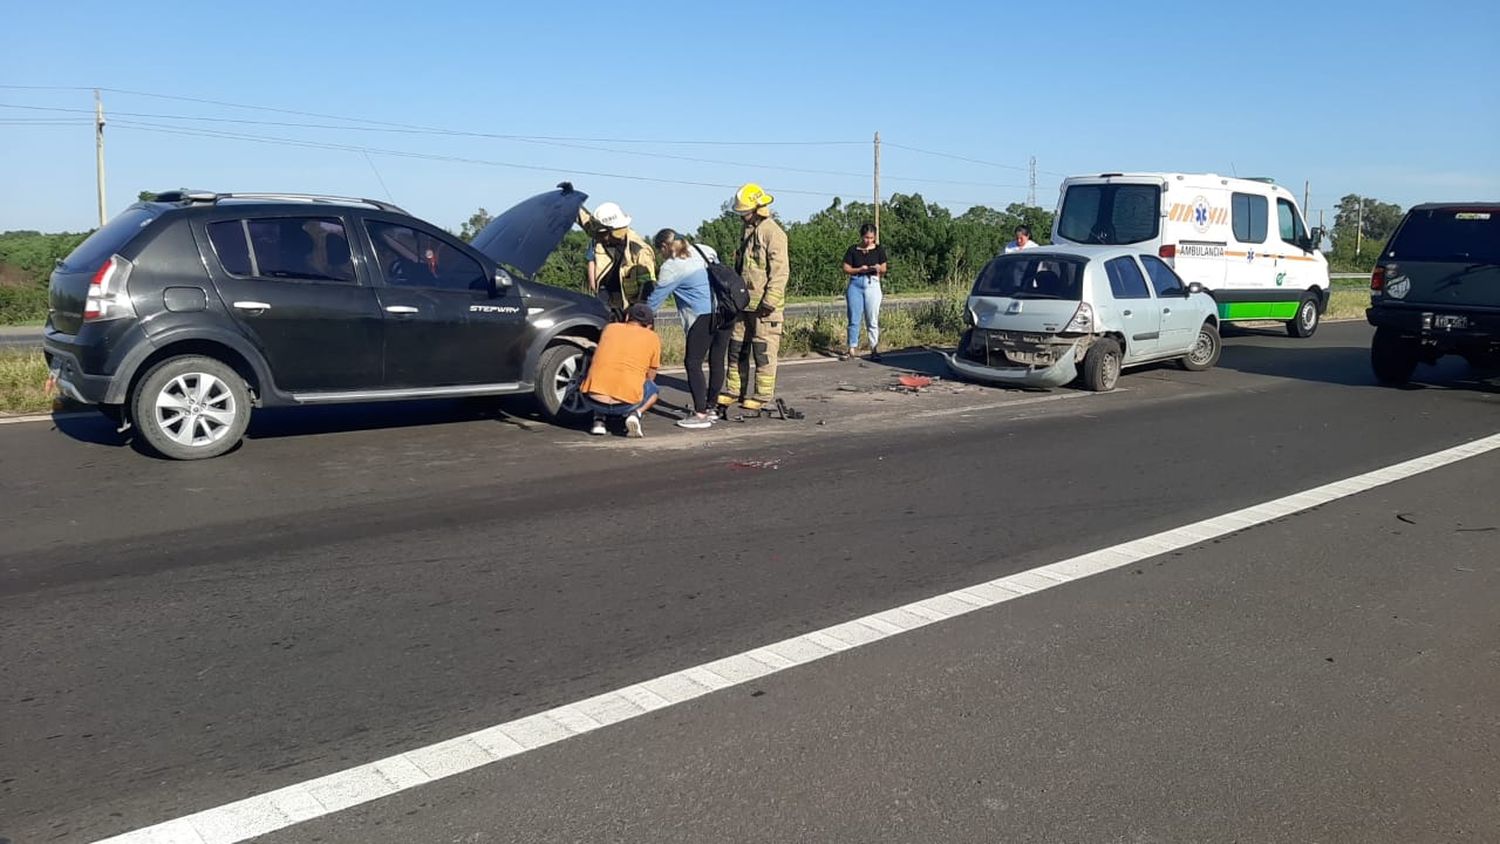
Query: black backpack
731, 295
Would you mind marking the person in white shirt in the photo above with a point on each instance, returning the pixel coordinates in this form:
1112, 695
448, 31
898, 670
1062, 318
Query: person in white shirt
1023, 240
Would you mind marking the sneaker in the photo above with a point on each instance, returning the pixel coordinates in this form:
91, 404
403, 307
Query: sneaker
598, 429
633, 426
696, 421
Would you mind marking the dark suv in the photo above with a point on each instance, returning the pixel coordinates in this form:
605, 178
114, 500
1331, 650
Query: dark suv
180, 314
1436, 290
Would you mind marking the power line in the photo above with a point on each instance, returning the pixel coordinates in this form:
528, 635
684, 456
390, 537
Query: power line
434, 129
338, 147
523, 139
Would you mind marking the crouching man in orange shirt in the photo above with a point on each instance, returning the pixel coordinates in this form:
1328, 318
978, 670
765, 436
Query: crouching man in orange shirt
622, 378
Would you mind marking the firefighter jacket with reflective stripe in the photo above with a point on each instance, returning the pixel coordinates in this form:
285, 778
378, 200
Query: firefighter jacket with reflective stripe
763, 263
636, 259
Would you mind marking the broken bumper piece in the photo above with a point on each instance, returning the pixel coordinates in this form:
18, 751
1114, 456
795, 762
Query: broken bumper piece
1064, 371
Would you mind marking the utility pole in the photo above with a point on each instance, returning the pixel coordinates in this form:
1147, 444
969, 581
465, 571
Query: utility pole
877, 187
1359, 227
1031, 194
99, 150
1306, 188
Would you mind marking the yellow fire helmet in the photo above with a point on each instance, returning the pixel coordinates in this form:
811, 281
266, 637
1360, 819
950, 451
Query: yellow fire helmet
751, 197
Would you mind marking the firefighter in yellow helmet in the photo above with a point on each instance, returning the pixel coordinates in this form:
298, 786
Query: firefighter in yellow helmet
622, 265
762, 261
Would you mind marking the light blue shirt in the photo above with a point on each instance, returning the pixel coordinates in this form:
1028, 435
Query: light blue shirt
687, 280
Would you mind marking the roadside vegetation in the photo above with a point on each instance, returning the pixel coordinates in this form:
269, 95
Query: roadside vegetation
23, 381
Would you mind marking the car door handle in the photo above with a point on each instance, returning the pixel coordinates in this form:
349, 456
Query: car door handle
1166, 311
252, 306
1127, 313
400, 309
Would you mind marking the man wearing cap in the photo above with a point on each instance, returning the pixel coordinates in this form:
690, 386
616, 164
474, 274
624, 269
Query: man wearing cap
622, 267
621, 380
762, 262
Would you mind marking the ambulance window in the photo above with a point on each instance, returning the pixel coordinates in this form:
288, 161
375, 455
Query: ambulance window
1290, 224
1249, 217
1110, 213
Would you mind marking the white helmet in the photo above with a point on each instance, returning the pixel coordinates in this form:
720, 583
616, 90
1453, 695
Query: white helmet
611, 215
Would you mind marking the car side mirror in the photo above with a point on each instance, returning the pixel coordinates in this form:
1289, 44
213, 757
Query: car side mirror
1194, 287
1315, 238
503, 281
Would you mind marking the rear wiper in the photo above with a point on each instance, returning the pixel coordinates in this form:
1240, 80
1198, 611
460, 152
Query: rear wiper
1035, 296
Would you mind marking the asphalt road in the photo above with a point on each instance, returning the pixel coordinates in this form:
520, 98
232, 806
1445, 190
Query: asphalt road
363, 581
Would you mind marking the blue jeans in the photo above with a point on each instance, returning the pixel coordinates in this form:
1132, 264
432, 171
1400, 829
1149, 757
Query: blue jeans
622, 409
863, 297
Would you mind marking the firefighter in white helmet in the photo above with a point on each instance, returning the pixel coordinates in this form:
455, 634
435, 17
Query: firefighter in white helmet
622, 266
762, 261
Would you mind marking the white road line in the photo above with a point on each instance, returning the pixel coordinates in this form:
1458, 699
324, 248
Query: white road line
325, 795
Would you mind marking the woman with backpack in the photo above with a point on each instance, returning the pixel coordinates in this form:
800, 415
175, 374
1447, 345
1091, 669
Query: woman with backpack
684, 276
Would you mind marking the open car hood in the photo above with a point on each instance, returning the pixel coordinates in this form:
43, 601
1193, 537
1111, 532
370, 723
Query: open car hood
523, 237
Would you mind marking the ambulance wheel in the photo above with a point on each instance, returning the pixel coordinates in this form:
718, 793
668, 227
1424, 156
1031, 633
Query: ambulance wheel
1305, 324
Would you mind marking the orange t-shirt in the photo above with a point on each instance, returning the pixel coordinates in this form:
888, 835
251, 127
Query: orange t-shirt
626, 353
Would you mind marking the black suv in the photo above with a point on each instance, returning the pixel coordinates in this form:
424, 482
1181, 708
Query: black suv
1436, 290
182, 313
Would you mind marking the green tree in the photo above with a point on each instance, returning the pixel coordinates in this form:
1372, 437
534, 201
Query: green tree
1361, 226
474, 225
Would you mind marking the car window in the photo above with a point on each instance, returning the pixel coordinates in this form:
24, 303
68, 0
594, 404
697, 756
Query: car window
1163, 279
411, 257
1289, 224
108, 239
1113, 213
283, 248
1452, 235
1019, 276
1248, 216
1125, 279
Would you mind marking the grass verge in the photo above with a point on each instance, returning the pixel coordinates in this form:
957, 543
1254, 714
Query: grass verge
1348, 304
23, 381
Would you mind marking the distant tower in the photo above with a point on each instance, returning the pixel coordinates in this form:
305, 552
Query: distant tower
1031, 194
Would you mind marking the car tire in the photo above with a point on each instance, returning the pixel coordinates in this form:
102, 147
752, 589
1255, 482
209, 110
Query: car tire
191, 408
1305, 323
1205, 351
1101, 366
1393, 357
559, 372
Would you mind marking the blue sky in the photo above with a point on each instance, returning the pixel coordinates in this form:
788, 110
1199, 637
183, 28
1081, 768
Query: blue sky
1290, 92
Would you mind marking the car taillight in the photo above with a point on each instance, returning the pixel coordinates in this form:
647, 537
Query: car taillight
1168, 250
1377, 278
109, 297
1082, 321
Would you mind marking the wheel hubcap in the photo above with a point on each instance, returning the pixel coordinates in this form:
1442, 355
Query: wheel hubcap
1309, 315
1202, 350
1111, 370
195, 409
565, 384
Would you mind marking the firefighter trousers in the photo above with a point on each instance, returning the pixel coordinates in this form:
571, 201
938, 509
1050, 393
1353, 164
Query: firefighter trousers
754, 339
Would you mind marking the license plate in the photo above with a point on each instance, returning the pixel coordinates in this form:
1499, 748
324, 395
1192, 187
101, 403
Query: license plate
1447, 322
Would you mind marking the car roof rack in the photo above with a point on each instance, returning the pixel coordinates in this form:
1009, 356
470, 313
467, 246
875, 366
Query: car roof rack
212, 197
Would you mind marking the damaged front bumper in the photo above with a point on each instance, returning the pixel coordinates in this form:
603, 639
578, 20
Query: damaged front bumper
1062, 371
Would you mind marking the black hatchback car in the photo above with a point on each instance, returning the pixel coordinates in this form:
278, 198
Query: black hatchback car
181, 314
1436, 290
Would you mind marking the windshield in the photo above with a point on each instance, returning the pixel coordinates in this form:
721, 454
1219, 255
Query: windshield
1449, 235
1019, 276
1110, 213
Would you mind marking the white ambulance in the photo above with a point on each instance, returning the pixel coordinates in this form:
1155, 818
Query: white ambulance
1244, 240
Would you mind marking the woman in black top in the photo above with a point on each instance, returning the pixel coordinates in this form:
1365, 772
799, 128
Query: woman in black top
864, 264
